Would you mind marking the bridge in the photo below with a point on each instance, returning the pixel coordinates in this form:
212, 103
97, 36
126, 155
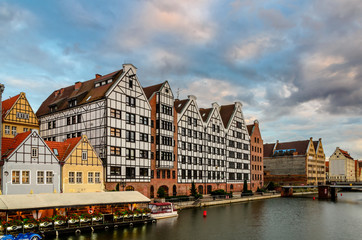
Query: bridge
324, 191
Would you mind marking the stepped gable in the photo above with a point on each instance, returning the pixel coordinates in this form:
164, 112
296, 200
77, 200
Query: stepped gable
346, 154
226, 111
205, 112
10, 144
8, 104
268, 149
84, 92
152, 89
64, 148
180, 104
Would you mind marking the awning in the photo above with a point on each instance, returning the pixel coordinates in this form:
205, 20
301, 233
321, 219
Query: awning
59, 200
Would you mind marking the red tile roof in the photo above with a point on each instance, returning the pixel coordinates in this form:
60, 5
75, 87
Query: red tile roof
8, 104
226, 111
10, 144
151, 89
300, 147
180, 104
64, 148
86, 93
205, 112
346, 154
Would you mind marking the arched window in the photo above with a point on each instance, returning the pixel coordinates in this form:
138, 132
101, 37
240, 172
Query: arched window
129, 188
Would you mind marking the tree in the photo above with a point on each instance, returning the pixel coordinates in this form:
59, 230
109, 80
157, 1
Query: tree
245, 189
193, 190
161, 192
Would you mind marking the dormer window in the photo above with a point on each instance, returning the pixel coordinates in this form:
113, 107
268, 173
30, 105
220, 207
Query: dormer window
55, 152
72, 102
53, 108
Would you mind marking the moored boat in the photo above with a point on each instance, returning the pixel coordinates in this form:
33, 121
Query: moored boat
162, 210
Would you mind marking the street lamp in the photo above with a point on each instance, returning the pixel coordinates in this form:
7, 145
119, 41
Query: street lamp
6, 173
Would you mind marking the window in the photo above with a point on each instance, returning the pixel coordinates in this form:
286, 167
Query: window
143, 137
232, 176
74, 119
130, 136
13, 130
25, 177
90, 177
84, 155
71, 177
49, 125
79, 177
115, 132
130, 118
189, 120
143, 120
144, 172
34, 152
79, 118
173, 174
40, 177
238, 124
116, 171
130, 83
15, 177
49, 177
130, 153
183, 174
72, 102
97, 177
144, 154
115, 113
130, 172
131, 101
116, 151
68, 120
7, 129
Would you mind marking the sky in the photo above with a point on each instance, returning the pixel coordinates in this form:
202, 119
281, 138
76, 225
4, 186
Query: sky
294, 65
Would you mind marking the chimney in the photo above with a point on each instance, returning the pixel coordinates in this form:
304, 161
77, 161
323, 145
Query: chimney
77, 85
61, 91
56, 93
98, 75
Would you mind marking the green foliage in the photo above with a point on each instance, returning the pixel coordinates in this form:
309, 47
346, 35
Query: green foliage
161, 192
271, 186
245, 188
260, 190
193, 190
218, 192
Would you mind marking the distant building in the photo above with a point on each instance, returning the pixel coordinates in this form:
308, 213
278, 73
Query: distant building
295, 163
327, 171
18, 116
28, 165
341, 167
82, 169
257, 156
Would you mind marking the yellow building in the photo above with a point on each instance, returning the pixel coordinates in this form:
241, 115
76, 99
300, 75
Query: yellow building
81, 168
341, 167
18, 116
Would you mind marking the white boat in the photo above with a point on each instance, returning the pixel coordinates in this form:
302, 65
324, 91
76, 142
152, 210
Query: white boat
162, 210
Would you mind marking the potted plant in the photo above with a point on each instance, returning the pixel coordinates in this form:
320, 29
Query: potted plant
97, 216
30, 223
73, 218
45, 222
59, 219
146, 212
85, 217
137, 212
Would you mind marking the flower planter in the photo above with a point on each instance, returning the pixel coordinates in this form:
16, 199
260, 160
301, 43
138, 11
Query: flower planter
45, 224
13, 228
97, 219
29, 226
59, 222
85, 220
72, 221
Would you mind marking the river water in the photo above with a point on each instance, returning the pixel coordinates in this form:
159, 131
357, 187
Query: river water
279, 218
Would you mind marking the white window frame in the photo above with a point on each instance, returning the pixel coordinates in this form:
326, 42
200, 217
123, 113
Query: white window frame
7, 129
81, 177
73, 177
97, 179
22, 175
46, 177
84, 155
12, 172
90, 177
13, 130
34, 152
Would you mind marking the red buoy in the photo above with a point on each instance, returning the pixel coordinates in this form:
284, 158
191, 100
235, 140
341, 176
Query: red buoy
341, 194
313, 198
205, 213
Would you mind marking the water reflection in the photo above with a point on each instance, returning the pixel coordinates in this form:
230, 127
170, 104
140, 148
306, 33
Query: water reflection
280, 218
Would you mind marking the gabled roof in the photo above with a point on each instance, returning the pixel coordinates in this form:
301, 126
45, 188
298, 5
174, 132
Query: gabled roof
152, 89
226, 111
205, 112
250, 129
180, 104
300, 147
63, 148
346, 154
8, 104
10, 144
87, 92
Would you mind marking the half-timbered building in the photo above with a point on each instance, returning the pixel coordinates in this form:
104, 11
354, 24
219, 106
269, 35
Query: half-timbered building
28, 165
237, 146
113, 111
17, 116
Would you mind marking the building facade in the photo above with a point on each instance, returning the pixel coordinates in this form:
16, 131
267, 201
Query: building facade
28, 165
81, 168
163, 139
341, 167
294, 163
256, 153
18, 116
113, 111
